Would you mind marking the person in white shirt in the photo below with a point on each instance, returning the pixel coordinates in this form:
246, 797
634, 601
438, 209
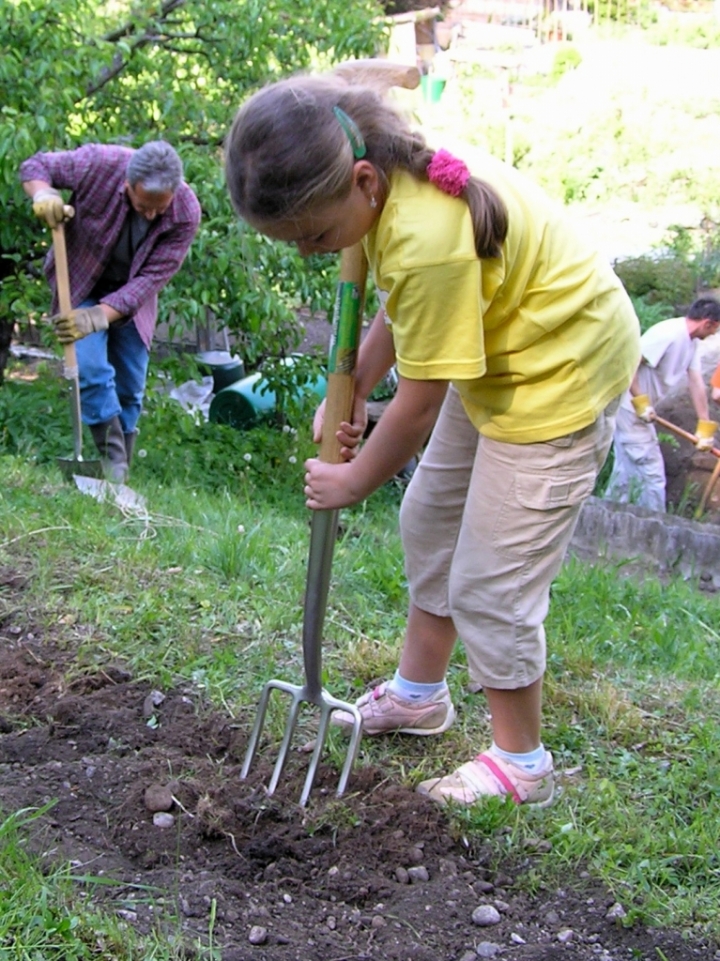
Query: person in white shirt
669, 353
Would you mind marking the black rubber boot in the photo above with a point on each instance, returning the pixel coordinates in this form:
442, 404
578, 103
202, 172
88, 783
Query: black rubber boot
110, 441
130, 445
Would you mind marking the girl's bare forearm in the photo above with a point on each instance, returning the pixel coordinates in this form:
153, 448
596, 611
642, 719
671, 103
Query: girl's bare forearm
400, 433
375, 357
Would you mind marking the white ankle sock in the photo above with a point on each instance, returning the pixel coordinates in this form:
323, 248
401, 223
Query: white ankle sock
534, 762
412, 691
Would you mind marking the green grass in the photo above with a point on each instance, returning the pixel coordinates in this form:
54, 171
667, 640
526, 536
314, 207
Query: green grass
46, 912
209, 590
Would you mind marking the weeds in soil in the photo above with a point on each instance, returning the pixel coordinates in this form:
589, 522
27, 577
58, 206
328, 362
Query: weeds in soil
209, 590
42, 912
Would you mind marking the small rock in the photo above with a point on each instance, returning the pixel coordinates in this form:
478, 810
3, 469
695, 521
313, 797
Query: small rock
484, 887
257, 935
416, 855
468, 956
153, 700
552, 917
163, 820
566, 935
259, 911
402, 875
287, 898
158, 797
502, 906
331, 922
615, 912
485, 915
517, 938
418, 874
378, 921
487, 949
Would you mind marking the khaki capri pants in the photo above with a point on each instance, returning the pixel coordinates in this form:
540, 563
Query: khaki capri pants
485, 526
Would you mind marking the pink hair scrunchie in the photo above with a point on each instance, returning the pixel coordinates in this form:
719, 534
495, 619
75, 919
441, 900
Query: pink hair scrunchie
448, 173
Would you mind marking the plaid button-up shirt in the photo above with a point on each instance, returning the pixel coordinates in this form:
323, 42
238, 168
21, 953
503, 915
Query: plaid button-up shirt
96, 175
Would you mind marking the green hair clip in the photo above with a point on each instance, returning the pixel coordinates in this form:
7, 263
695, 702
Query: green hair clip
352, 131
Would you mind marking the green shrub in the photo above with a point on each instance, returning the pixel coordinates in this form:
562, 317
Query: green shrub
700, 32
650, 314
667, 279
701, 249
567, 58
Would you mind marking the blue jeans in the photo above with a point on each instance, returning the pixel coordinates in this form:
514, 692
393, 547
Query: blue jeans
112, 365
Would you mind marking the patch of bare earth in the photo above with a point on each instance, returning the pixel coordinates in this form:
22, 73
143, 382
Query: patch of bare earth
376, 875
690, 478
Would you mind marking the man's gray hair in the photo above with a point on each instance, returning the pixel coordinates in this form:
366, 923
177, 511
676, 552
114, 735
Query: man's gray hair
156, 166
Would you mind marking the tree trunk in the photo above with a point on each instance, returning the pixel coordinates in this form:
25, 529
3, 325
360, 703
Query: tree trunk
6, 332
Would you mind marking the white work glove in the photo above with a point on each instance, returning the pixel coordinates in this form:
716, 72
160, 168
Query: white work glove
49, 206
705, 433
643, 408
79, 323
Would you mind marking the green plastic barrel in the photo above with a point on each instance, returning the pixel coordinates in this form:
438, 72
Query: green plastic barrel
222, 367
432, 87
246, 402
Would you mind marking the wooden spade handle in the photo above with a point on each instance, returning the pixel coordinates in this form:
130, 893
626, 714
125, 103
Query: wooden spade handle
71, 372
707, 493
347, 320
380, 74
63, 288
673, 428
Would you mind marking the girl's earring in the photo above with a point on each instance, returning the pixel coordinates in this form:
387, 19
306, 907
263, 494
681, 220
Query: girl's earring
373, 201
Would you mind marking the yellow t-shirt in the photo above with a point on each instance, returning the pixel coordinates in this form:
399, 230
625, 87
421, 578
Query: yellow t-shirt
537, 341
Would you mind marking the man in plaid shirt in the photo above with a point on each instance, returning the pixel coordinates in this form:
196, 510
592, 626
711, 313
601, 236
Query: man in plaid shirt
134, 221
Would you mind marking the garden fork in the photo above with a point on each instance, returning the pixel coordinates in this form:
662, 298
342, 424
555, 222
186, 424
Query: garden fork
323, 533
381, 75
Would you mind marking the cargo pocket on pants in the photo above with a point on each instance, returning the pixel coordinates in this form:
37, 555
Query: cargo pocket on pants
539, 514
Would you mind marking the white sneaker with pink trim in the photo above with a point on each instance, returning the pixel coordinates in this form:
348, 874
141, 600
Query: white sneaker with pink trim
383, 712
488, 775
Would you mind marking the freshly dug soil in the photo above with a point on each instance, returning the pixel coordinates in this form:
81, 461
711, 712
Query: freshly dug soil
688, 471
374, 875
